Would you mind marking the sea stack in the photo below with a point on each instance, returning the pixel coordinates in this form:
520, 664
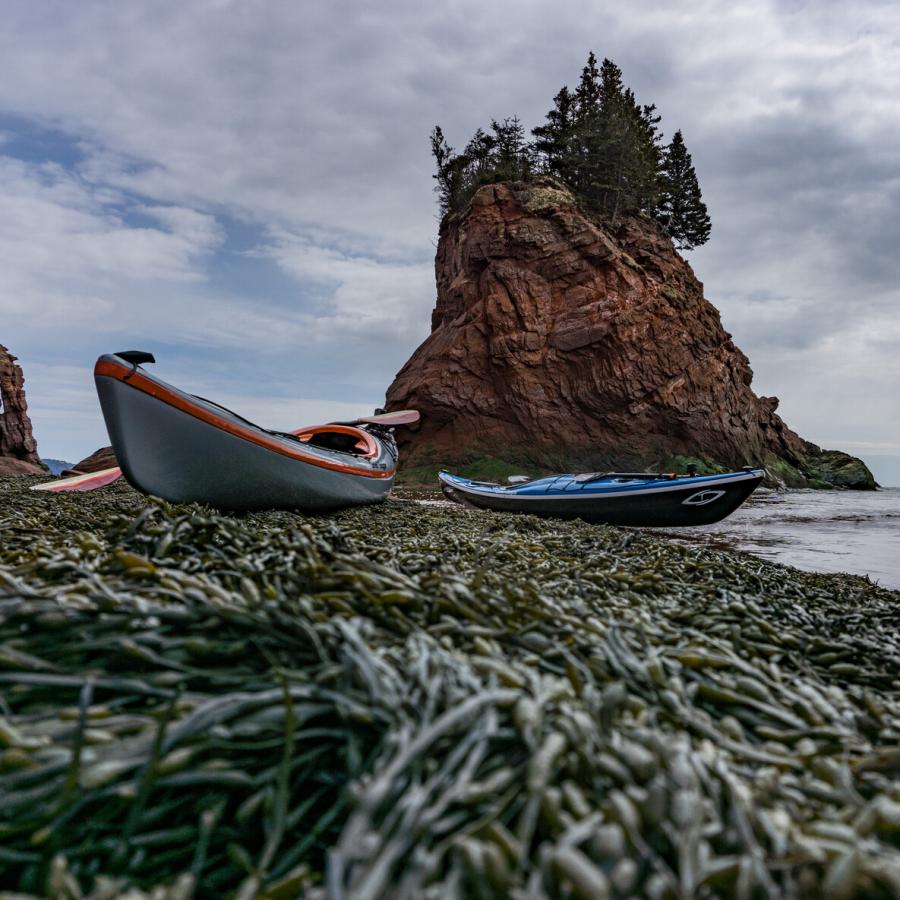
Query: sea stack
18, 449
566, 344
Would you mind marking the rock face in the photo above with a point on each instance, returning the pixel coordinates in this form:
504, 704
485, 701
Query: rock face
559, 344
18, 450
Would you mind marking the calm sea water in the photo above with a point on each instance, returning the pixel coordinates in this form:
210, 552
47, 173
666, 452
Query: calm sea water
820, 531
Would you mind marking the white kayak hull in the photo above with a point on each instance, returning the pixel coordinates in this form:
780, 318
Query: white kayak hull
184, 449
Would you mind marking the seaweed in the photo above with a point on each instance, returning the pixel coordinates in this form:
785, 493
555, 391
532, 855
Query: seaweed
420, 700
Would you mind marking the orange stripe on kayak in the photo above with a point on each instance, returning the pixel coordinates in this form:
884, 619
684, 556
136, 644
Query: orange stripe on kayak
133, 378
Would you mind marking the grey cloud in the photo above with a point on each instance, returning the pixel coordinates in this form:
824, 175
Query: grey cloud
311, 121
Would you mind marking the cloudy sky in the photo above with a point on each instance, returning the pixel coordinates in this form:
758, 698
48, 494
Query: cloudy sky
244, 188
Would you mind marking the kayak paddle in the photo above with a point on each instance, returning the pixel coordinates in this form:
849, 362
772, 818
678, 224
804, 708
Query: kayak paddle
401, 417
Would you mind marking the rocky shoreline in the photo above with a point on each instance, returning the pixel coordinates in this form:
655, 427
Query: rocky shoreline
444, 701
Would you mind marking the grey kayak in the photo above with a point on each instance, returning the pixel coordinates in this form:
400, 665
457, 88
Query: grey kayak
183, 448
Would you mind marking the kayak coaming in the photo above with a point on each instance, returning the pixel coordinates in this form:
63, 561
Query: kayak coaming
664, 501
365, 442
183, 448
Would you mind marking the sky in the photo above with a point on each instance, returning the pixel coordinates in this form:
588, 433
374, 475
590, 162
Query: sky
244, 188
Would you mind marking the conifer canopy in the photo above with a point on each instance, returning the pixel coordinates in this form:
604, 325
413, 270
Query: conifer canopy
599, 141
681, 210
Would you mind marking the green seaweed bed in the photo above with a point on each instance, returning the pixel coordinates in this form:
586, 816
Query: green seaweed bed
423, 701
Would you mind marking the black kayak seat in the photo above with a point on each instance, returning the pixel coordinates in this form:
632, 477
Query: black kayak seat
136, 357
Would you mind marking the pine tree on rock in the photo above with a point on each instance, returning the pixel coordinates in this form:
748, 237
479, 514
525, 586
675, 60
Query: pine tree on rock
449, 170
479, 155
603, 144
681, 210
511, 159
553, 143
620, 164
589, 91
610, 86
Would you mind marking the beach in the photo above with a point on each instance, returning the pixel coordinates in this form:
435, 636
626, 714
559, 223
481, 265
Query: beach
417, 699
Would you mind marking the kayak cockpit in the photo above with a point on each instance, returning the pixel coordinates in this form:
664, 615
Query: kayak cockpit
622, 477
335, 437
342, 438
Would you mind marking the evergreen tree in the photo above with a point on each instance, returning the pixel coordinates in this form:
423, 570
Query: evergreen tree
553, 141
610, 87
504, 155
479, 156
641, 166
601, 142
604, 140
681, 211
447, 179
626, 153
511, 157
588, 92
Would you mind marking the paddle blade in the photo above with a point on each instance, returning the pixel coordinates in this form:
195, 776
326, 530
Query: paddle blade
401, 417
88, 482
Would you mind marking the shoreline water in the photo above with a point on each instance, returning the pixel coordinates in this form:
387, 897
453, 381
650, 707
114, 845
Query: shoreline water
831, 532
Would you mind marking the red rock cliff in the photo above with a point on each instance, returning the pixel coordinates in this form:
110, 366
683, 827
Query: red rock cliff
557, 343
18, 450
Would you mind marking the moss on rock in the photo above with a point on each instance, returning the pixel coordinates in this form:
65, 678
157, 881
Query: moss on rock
482, 468
840, 470
550, 195
786, 475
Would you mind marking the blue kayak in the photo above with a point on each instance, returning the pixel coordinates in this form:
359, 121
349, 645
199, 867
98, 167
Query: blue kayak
646, 499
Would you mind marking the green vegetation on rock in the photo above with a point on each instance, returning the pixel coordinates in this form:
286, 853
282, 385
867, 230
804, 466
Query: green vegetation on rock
840, 469
427, 701
784, 474
679, 463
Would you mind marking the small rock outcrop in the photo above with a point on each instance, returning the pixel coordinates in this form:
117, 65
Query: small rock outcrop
18, 449
559, 343
104, 458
